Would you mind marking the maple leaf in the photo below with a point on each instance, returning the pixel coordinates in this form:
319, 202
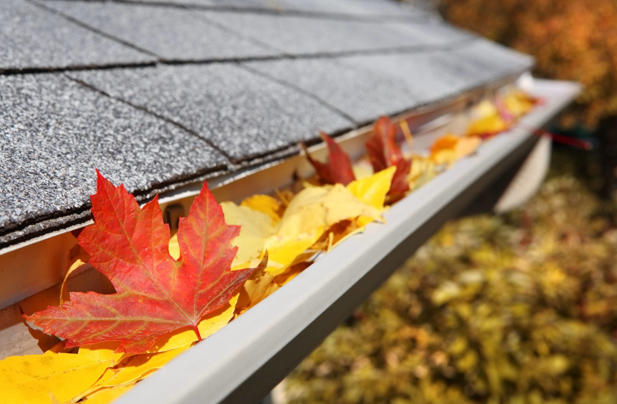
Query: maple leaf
383, 152
338, 169
155, 294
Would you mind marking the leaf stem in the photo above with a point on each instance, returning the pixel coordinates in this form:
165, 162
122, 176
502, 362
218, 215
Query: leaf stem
196, 329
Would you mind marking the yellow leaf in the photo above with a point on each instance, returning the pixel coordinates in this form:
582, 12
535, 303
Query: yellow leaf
107, 395
518, 103
309, 213
103, 351
174, 246
77, 258
136, 367
259, 286
36, 378
488, 125
450, 148
256, 227
373, 190
422, 171
319, 208
291, 273
207, 326
284, 249
265, 204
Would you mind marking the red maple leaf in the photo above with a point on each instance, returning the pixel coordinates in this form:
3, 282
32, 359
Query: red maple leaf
338, 169
155, 294
383, 152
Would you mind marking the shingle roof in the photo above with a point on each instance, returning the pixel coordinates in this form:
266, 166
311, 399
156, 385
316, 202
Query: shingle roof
161, 94
33, 39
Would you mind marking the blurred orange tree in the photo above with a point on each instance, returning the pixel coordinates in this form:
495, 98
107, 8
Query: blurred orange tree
570, 39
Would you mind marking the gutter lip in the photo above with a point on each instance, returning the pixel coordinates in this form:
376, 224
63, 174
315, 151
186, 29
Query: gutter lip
219, 366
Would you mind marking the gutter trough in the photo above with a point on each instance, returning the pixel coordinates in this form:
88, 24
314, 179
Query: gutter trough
242, 362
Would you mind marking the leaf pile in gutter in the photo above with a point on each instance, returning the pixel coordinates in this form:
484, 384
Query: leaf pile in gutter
172, 290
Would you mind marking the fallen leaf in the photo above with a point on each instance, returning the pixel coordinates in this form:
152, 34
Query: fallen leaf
308, 215
136, 367
255, 227
78, 259
291, 273
155, 293
518, 103
265, 204
383, 152
211, 323
259, 286
339, 232
285, 247
450, 148
319, 208
338, 169
422, 171
174, 246
36, 378
373, 190
487, 126
107, 395
102, 351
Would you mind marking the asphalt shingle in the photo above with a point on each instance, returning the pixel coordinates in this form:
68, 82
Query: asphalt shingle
351, 8
298, 35
358, 92
33, 38
365, 87
171, 33
435, 76
484, 61
243, 114
55, 132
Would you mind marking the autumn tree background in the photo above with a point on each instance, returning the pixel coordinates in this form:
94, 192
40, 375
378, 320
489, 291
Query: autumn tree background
513, 309
570, 39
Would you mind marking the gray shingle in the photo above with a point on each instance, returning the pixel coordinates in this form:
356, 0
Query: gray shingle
55, 132
484, 61
365, 87
243, 114
169, 32
338, 7
33, 38
434, 76
352, 8
358, 92
299, 35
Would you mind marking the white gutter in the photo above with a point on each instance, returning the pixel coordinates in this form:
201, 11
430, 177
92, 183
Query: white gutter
242, 362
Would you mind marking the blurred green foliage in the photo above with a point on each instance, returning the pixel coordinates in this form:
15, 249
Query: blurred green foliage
520, 308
